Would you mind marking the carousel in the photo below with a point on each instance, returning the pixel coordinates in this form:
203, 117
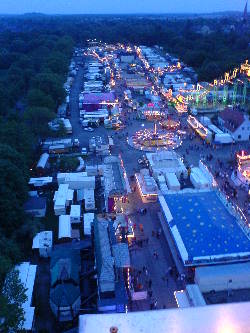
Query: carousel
155, 139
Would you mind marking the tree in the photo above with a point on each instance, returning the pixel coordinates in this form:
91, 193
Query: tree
10, 254
29, 229
50, 84
65, 45
12, 298
17, 159
38, 118
57, 63
13, 194
68, 163
38, 98
18, 136
210, 71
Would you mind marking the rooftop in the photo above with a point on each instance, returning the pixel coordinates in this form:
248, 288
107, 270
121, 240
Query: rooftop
232, 119
104, 259
65, 265
204, 229
113, 176
225, 318
34, 203
98, 97
64, 295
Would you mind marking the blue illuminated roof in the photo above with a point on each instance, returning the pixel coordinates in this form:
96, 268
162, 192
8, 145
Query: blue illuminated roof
205, 225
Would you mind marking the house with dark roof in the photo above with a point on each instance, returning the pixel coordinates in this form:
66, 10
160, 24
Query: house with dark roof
65, 297
36, 206
236, 123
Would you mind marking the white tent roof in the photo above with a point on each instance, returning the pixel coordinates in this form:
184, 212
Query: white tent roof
61, 195
43, 160
165, 208
40, 181
181, 247
43, 239
88, 219
233, 317
64, 227
70, 195
172, 180
75, 211
27, 275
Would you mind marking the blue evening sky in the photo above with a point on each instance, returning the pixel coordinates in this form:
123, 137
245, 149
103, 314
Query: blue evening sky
118, 6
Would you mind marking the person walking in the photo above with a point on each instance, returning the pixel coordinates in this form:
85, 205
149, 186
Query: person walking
167, 281
149, 283
156, 255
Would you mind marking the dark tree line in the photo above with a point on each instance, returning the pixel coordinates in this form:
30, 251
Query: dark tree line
33, 68
211, 54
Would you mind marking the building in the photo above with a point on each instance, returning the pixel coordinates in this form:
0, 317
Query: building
223, 277
245, 15
36, 206
75, 214
88, 222
62, 199
199, 179
216, 284
95, 101
205, 30
236, 123
164, 162
112, 262
203, 229
127, 58
65, 298
87, 196
189, 297
146, 186
116, 184
76, 180
43, 242
136, 82
64, 228
40, 182
215, 318
42, 164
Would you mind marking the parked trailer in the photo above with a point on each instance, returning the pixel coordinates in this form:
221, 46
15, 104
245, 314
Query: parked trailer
42, 163
59, 149
67, 125
65, 142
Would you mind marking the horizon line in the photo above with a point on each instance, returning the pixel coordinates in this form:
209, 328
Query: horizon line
136, 13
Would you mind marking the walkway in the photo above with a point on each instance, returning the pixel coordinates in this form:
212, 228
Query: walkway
163, 285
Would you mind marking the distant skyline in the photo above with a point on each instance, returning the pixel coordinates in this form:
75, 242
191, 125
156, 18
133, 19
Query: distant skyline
119, 6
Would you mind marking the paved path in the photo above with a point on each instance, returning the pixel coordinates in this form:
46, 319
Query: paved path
163, 291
